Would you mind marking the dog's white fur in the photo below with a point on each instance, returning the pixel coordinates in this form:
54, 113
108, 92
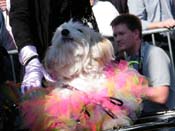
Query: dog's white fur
77, 58
82, 52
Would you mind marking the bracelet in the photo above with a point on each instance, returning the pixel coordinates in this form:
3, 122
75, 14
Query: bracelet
31, 58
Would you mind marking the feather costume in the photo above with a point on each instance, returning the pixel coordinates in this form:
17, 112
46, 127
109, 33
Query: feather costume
113, 101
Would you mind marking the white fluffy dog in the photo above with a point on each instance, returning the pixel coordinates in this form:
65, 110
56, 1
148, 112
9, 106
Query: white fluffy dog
88, 84
76, 51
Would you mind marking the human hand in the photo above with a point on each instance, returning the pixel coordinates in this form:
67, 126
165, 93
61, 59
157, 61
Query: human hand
3, 4
34, 72
169, 23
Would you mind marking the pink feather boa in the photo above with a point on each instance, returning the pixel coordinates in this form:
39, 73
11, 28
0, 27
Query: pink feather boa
73, 110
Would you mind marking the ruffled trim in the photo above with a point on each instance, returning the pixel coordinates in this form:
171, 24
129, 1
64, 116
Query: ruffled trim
117, 104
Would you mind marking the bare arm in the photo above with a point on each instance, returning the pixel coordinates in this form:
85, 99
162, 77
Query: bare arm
157, 94
169, 23
158, 70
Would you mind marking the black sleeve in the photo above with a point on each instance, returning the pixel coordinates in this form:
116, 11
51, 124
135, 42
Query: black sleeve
22, 22
81, 9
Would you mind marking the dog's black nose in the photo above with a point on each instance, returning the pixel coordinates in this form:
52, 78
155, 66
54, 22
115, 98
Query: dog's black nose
65, 32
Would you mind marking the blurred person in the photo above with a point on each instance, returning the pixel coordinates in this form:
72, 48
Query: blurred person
149, 60
33, 24
104, 17
156, 14
153, 13
8, 110
121, 5
5, 8
6, 43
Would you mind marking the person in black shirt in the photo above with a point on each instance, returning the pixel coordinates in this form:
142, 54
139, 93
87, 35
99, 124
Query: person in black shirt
34, 22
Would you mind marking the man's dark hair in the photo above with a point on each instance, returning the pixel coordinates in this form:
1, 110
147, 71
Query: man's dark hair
131, 21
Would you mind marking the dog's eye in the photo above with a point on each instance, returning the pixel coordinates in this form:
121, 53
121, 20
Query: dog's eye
80, 30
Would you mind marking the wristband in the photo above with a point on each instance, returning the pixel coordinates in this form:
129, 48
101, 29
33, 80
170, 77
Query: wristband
31, 58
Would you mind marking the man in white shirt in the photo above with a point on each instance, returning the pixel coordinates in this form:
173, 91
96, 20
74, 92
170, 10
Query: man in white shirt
104, 13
